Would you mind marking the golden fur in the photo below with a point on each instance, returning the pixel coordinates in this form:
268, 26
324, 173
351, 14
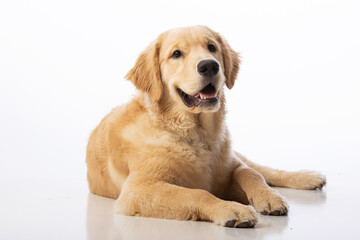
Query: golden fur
160, 158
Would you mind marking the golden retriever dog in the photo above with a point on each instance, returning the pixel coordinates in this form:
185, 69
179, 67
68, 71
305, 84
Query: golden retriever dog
167, 153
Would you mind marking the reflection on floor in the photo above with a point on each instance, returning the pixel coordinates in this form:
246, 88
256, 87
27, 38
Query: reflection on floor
101, 222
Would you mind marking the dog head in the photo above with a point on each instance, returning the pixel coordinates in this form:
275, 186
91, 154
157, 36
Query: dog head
188, 66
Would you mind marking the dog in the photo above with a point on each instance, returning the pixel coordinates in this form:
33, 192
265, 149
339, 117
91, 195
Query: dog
167, 153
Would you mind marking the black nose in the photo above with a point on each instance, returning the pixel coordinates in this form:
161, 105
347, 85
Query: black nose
208, 68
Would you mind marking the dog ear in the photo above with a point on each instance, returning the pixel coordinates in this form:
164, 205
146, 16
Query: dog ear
231, 60
145, 75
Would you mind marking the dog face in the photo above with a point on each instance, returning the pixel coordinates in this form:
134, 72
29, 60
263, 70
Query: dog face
188, 67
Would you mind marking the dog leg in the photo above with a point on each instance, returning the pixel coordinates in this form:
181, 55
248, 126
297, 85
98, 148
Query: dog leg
160, 199
267, 201
304, 179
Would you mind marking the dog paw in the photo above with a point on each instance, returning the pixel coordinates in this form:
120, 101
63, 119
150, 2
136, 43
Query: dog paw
270, 202
308, 180
233, 214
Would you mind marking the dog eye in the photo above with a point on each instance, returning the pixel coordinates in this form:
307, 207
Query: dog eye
176, 54
211, 48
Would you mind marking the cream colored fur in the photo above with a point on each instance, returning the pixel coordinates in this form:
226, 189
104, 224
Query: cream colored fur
162, 159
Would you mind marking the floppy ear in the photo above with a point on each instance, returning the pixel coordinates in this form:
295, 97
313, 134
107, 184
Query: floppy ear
145, 75
231, 60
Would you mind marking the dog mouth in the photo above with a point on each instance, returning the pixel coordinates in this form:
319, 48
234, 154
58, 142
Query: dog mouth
207, 96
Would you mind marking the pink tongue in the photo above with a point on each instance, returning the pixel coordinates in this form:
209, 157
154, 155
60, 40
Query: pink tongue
208, 92
208, 95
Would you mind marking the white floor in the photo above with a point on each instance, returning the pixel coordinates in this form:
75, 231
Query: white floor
63, 209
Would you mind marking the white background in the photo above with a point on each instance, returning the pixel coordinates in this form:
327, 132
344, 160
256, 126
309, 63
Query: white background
295, 104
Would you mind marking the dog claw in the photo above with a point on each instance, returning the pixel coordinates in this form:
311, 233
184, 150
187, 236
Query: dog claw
230, 223
275, 213
245, 225
233, 224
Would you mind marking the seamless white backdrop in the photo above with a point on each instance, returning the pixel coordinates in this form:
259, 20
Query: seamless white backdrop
62, 66
295, 105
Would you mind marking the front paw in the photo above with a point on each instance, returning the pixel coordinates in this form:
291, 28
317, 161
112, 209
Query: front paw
233, 214
270, 202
